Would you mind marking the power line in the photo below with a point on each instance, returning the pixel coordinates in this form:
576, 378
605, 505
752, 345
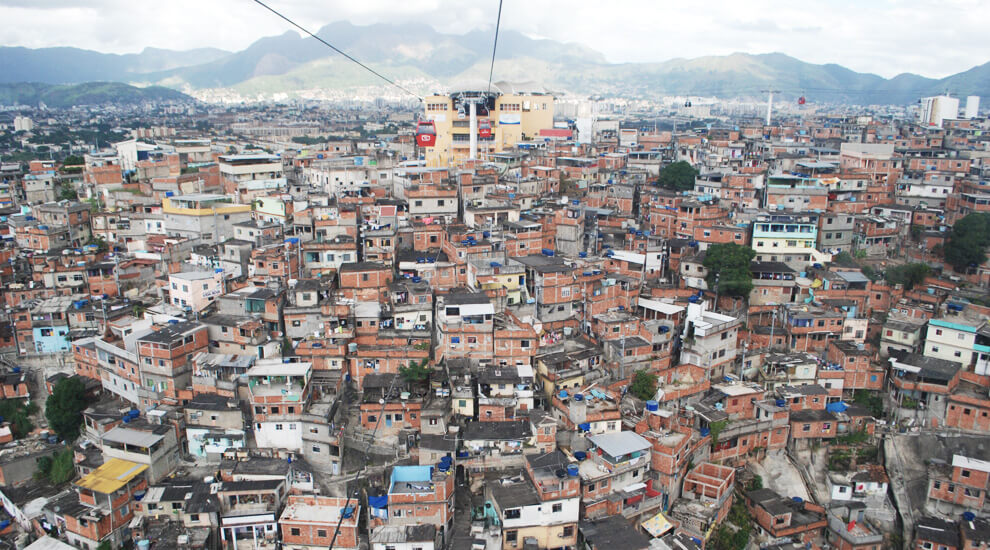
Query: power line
498, 21
338, 50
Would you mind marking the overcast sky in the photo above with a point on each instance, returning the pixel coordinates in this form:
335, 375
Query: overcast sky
934, 38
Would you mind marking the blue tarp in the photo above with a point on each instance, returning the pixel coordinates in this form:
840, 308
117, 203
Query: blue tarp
836, 407
378, 502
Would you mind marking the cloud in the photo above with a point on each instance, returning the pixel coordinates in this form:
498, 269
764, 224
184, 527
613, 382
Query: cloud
930, 37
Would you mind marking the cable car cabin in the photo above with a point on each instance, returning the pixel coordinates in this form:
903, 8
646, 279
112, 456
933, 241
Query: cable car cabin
687, 103
801, 100
426, 133
485, 128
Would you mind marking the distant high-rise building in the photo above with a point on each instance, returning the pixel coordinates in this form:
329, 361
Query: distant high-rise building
938, 108
23, 124
972, 106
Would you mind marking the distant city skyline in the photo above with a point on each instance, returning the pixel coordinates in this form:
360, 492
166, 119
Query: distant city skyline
885, 37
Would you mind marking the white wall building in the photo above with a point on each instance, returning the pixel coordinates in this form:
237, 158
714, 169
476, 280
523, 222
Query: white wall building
936, 109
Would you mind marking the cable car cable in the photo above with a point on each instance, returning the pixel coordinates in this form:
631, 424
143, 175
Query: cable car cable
498, 21
338, 50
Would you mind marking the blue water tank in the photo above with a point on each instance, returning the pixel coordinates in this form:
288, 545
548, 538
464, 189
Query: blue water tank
578, 397
417, 279
652, 405
798, 500
585, 426
562, 394
582, 254
572, 470
705, 432
969, 516
580, 455
173, 321
780, 403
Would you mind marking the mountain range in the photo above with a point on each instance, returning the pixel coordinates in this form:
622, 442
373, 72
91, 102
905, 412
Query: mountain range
86, 93
427, 60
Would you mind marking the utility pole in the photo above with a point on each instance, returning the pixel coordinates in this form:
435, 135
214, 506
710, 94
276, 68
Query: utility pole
770, 93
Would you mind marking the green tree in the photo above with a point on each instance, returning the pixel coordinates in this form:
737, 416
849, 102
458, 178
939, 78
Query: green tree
416, 372
968, 241
678, 176
755, 483
907, 274
64, 407
18, 413
729, 262
73, 160
715, 428
68, 193
644, 385
870, 400
58, 468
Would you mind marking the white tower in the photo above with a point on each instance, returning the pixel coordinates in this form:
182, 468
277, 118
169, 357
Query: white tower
972, 106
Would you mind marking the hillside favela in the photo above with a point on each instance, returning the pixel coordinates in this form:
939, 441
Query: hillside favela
441, 275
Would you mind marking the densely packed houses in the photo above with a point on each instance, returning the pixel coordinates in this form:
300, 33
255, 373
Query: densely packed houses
536, 338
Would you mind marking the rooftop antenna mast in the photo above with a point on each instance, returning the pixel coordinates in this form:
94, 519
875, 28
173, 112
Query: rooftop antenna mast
769, 93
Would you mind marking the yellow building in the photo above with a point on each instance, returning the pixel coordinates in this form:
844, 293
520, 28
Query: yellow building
514, 115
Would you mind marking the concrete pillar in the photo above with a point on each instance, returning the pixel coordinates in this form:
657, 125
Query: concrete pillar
474, 130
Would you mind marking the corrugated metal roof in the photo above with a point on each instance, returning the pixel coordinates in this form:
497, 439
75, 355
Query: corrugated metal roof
111, 476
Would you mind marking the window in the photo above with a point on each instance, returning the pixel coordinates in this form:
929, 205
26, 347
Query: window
568, 531
511, 537
965, 473
322, 533
316, 448
557, 507
278, 427
806, 428
512, 513
295, 531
